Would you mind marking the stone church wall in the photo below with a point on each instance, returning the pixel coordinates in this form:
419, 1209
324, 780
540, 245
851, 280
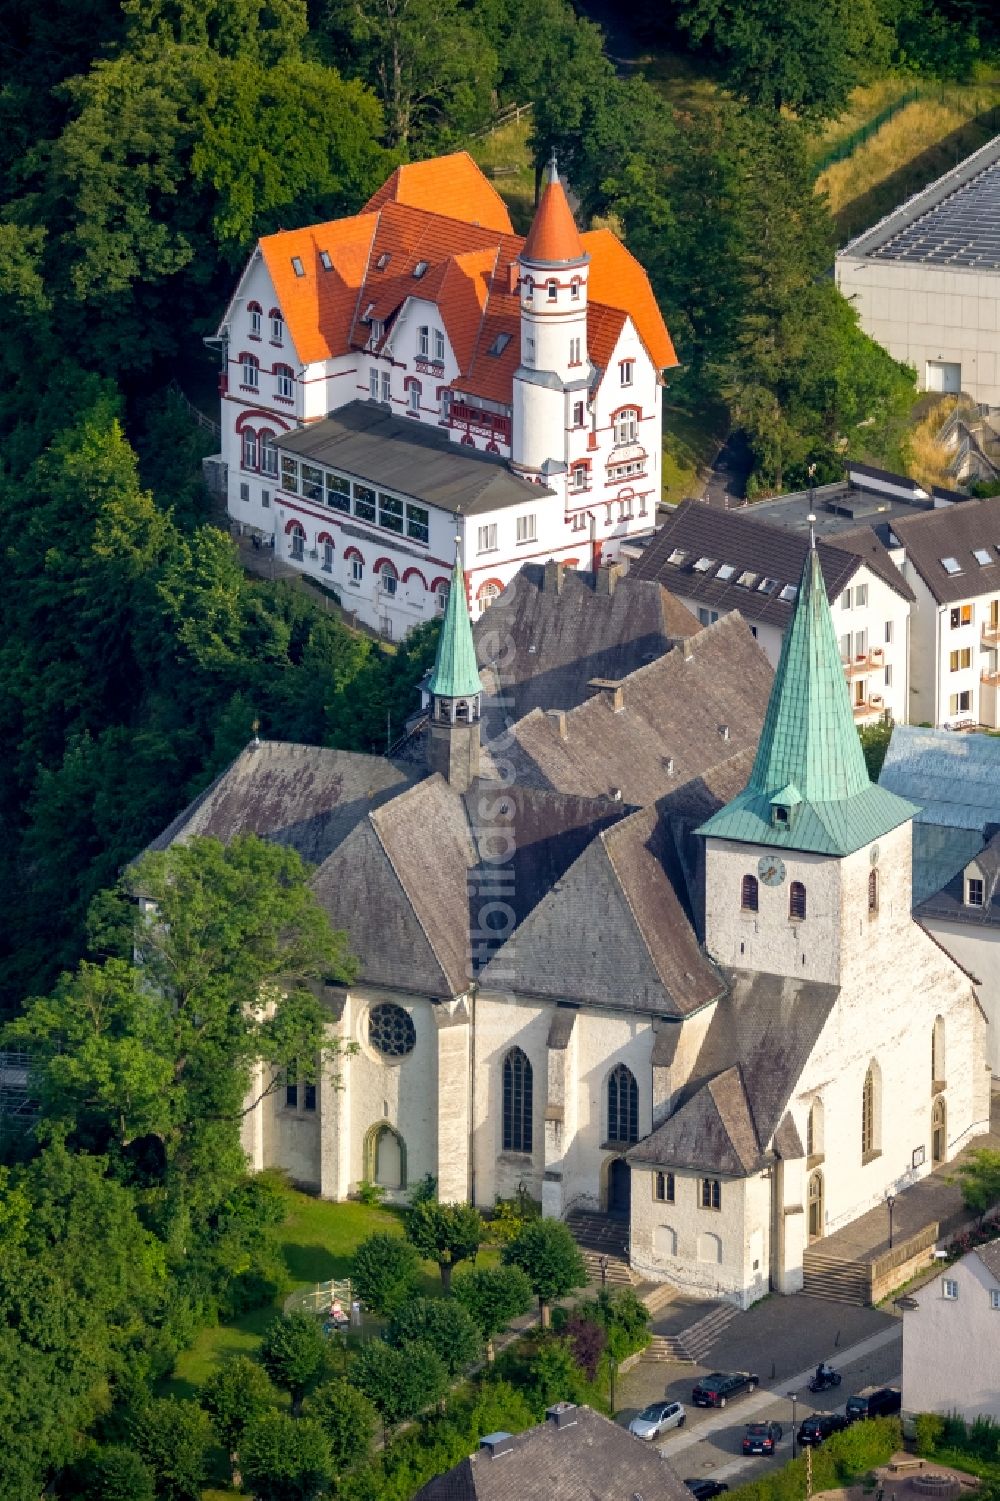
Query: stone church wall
709, 1253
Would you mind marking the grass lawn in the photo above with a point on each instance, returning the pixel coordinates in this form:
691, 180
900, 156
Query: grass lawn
506, 159
690, 443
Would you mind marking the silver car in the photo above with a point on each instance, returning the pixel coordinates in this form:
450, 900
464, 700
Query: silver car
657, 1419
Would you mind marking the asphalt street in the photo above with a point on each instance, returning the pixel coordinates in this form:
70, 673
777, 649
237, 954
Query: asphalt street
709, 1442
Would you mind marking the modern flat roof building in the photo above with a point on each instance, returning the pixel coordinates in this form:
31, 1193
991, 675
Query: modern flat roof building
926, 279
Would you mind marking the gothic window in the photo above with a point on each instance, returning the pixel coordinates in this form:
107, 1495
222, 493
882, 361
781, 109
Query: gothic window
938, 1132
815, 1203
871, 1109
814, 1131
391, 1031
748, 894
938, 1074
873, 891
517, 1102
623, 1105
797, 900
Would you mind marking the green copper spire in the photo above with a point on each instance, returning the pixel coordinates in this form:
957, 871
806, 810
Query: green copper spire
809, 788
455, 674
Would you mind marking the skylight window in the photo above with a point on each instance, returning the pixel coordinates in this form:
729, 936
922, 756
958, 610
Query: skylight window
788, 593
366, 316
325, 261
419, 270
499, 344
951, 565
726, 572
982, 556
297, 266
767, 586
677, 556
747, 579
704, 564
383, 260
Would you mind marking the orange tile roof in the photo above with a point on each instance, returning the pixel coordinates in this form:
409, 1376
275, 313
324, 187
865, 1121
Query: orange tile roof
467, 274
453, 186
617, 280
553, 236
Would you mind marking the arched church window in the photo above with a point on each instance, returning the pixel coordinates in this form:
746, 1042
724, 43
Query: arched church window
871, 1113
873, 891
814, 1131
517, 1102
748, 893
391, 1031
623, 1105
939, 1135
938, 1074
797, 900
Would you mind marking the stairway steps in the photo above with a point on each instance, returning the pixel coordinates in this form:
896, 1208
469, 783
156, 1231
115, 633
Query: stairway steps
617, 1273
835, 1280
657, 1298
666, 1347
705, 1332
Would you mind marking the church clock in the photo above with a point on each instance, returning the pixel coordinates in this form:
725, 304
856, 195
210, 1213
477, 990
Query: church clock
771, 870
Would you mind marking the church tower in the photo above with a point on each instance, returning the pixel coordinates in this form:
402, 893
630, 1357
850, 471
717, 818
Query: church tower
455, 693
807, 870
555, 365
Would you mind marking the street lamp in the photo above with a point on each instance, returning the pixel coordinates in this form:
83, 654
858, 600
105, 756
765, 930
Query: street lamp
793, 1397
890, 1204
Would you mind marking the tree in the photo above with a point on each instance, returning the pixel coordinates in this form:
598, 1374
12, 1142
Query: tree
115, 1473
493, 1296
547, 1253
293, 1352
284, 1458
399, 1383
347, 1419
234, 1396
384, 1272
445, 1233
875, 742
442, 1324
172, 1437
588, 1341
979, 1177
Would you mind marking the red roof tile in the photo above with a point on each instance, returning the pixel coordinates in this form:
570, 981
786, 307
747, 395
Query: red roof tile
449, 185
553, 236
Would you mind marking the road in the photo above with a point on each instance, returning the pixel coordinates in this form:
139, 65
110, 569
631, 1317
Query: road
709, 1443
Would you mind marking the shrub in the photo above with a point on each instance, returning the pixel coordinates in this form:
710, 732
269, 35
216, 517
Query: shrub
839, 1462
441, 1323
510, 1217
293, 1352
930, 1428
370, 1193
424, 1191
588, 1340
384, 1272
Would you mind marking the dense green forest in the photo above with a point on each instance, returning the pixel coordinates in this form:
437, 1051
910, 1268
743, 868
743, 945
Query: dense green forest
144, 144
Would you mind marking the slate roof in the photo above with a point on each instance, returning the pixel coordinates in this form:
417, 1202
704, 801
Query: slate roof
612, 929
809, 761
668, 737
365, 440
954, 532
747, 1068
948, 901
773, 555
539, 645
588, 1459
989, 1255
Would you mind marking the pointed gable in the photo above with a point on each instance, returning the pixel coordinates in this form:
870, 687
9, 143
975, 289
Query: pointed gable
809, 788
713, 1131
319, 304
453, 186
618, 281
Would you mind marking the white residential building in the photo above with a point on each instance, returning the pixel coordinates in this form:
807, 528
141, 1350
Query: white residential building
535, 364
951, 1340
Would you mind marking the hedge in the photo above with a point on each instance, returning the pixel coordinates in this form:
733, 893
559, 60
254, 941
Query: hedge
842, 1460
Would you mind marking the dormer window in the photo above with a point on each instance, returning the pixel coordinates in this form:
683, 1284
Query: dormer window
383, 260
420, 269
297, 266
366, 316
677, 556
781, 816
951, 566
499, 344
974, 892
325, 261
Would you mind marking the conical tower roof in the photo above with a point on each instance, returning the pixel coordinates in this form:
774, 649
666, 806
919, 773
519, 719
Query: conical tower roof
456, 674
553, 239
809, 788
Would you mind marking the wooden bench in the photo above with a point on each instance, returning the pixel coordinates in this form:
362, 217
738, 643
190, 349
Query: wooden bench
899, 1466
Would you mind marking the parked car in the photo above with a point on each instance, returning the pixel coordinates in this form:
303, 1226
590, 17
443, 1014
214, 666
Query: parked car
874, 1402
717, 1389
706, 1490
761, 1438
657, 1418
819, 1425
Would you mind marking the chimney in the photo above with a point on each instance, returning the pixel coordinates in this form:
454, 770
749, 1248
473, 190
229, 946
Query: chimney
558, 718
614, 692
496, 1444
608, 575
553, 581
562, 1414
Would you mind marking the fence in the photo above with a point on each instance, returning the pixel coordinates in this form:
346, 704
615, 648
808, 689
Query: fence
198, 416
510, 114
863, 133
318, 1299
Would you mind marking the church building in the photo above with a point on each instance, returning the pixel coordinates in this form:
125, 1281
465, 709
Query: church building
418, 370
650, 956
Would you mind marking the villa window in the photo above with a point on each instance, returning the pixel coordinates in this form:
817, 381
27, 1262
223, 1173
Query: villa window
949, 1288
626, 426
277, 327
423, 342
256, 315
285, 379
268, 454
249, 448
438, 347
250, 371
628, 372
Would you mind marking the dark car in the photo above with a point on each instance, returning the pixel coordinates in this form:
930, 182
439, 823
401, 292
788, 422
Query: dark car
819, 1425
874, 1402
761, 1438
717, 1389
705, 1490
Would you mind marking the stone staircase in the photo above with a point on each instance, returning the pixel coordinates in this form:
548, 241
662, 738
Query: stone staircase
600, 1236
836, 1280
691, 1345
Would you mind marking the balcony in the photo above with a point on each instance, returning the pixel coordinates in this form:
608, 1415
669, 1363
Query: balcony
873, 707
864, 662
989, 636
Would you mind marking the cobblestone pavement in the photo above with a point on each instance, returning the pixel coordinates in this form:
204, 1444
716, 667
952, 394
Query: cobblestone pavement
783, 1340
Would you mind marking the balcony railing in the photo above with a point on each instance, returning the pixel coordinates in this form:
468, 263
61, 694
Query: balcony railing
990, 635
991, 679
864, 662
873, 704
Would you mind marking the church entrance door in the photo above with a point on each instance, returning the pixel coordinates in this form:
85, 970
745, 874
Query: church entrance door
619, 1189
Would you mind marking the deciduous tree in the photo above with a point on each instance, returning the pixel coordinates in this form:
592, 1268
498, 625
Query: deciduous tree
285, 1459
234, 1396
399, 1383
493, 1296
547, 1253
445, 1233
441, 1323
384, 1272
347, 1419
293, 1352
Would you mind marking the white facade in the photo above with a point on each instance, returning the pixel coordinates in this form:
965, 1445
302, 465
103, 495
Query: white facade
951, 1343
873, 626
955, 671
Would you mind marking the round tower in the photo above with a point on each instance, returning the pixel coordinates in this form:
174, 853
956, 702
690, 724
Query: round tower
554, 268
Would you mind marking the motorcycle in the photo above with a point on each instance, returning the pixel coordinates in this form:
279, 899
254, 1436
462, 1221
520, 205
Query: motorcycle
825, 1382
